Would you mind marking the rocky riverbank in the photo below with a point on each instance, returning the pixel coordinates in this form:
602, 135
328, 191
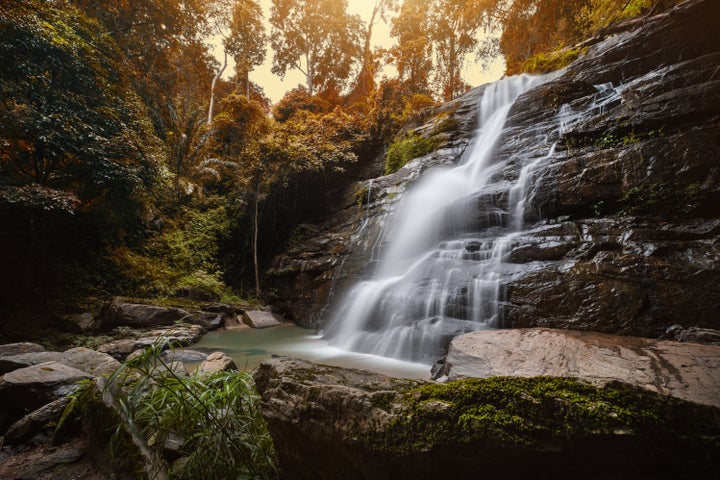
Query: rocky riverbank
330, 422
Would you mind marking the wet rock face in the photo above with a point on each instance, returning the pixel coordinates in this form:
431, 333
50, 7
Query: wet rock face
621, 206
617, 275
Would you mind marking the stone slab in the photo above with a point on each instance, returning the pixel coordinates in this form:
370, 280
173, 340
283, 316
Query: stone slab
683, 370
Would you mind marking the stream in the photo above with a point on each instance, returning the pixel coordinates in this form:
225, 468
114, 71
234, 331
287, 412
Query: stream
249, 346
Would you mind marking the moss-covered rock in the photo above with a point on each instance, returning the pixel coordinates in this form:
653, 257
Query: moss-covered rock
331, 422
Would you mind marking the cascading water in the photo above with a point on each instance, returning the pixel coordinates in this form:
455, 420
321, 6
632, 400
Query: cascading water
441, 273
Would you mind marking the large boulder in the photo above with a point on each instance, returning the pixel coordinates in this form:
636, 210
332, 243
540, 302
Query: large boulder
19, 348
36, 421
332, 422
121, 313
684, 370
27, 389
178, 336
261, 319
89, 361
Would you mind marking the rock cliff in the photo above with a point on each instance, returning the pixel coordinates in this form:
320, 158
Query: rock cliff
621, 220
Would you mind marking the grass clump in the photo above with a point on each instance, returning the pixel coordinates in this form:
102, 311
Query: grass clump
404, 149
213, 419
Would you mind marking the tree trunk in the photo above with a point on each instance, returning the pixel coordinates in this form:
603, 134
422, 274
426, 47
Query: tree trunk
212, 88
310, 75
255, 244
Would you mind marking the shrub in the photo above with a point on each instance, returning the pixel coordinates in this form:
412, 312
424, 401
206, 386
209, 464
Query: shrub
402, 150
545, 62
215, 419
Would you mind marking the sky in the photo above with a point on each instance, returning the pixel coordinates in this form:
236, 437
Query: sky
275, 87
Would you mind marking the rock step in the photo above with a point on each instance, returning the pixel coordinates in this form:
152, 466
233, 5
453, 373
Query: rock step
684, 370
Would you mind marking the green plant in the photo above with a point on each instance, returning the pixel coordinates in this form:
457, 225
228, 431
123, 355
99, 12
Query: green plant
214, 418
545, 62
598, 208
362, 197
404, 149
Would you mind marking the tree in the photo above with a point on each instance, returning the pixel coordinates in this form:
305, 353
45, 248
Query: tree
412, 54
247, 40
453, 28
69, 118
533, 26
365, 83
235, 135
79, 161
318, 38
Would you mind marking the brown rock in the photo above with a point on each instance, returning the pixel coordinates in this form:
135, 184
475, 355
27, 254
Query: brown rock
89, 361
687, 371
19, 348
331, 422
27, 389
121, 313
217, 362
36, 421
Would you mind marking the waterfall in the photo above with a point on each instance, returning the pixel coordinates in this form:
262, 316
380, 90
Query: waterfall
440, 275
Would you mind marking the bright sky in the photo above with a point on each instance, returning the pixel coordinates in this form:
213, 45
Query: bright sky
275, 87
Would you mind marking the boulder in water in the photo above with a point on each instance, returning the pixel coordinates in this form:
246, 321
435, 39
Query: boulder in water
217, 362
261, 319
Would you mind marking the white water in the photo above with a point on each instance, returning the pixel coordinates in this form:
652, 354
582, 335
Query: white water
440, 275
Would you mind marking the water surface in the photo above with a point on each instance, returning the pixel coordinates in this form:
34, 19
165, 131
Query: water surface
248, 347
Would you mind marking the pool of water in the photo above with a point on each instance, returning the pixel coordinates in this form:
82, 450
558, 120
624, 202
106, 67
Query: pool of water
249, 346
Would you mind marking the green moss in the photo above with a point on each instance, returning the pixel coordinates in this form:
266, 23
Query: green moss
614, 137
445, 122
510, 412
660, 198
545, 62
383, 400
402, 150
362, 197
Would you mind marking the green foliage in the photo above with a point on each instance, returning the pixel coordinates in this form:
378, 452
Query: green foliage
544, 62
186, 254
362, 197
404, 149
416, 109
216, 418
660, 199
69, 120
537, 34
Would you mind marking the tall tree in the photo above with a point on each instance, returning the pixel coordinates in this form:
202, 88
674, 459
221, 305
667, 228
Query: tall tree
366, 78
412, 54
453, 28
317, 37
247, 40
